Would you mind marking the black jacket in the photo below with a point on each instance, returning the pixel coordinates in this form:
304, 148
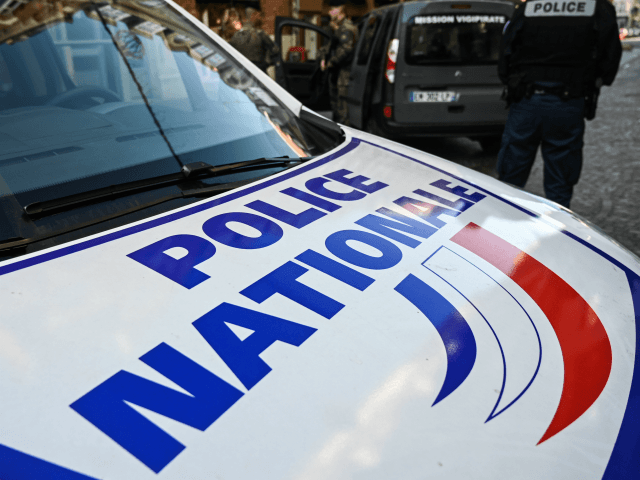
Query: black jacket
547, 45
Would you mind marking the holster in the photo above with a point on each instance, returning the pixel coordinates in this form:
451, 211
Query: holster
591, 100
515, 90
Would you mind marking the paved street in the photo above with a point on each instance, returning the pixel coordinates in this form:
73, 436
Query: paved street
608, 194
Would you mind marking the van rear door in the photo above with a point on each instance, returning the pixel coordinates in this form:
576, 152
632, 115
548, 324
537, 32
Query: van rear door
446, 74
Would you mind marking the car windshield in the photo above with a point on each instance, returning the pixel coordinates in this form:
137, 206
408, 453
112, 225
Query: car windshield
95, 93
454, 39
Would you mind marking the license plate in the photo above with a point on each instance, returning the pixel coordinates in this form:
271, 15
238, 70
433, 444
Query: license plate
430, 97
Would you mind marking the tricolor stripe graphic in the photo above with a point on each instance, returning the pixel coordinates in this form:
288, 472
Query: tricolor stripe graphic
459, 342
585, 346
525, 358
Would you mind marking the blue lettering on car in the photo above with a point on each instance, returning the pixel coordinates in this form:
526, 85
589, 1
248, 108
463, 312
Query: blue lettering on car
284, 280
182, 271
299, 220
335, 269
243, 356
105, 406
337, 244
217, 229
388, 227
317, 186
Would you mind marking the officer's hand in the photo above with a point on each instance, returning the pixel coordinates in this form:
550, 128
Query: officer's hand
323, 66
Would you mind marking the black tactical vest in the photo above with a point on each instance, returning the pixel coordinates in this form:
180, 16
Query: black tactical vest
556, 43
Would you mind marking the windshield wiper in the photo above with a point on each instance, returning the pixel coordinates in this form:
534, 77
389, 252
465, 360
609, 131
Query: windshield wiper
191, 171
17, 243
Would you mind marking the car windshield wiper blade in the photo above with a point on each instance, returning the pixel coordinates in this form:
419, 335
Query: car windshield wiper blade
191, 171
14, 243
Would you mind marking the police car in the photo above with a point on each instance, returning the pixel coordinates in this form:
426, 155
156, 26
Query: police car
202, 279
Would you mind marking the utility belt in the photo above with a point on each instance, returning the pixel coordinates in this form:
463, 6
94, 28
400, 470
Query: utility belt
518, 88
557, 90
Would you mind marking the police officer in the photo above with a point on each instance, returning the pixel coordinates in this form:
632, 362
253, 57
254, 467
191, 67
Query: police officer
338, 62
253, 42
555, 54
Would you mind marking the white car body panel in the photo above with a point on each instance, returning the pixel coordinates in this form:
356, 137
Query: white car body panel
355, 398
384, 388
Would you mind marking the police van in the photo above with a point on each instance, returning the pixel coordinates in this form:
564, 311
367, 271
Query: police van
426, 68
201, 278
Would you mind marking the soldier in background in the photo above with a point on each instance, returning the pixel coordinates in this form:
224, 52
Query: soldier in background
254, 43
230, 24
338, 61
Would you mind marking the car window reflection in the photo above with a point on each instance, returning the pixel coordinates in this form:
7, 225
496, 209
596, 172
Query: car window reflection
111, 88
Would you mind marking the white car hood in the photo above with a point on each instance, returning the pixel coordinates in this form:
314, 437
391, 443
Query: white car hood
486, 334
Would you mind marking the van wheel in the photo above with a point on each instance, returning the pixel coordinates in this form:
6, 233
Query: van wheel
490, 144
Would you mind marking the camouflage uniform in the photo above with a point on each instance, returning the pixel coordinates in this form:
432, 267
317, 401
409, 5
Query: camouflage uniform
339, 64
256, 45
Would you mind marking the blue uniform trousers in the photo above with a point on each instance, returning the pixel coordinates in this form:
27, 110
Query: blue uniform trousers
555, 124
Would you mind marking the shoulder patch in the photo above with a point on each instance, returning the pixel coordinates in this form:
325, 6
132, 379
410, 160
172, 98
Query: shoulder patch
560, 8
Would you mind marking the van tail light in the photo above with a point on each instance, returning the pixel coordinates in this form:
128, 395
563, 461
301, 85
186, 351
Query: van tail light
387, 111
392, 57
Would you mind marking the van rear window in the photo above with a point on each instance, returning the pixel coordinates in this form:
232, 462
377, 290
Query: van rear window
468, 39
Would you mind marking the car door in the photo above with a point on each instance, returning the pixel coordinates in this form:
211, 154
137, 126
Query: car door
360, 68
299, 72
366, 69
